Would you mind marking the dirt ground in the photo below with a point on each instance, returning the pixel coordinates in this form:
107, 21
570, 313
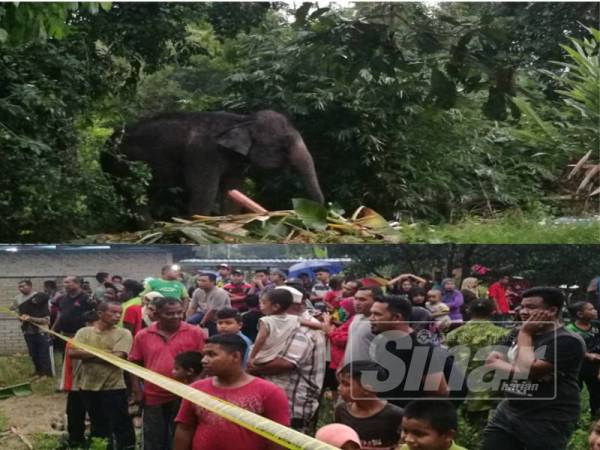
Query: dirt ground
30, 415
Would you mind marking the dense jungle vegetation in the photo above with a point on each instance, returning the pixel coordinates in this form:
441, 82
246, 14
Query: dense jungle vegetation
424, 112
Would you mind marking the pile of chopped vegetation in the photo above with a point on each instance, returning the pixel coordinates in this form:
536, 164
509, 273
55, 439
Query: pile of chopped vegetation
308, 222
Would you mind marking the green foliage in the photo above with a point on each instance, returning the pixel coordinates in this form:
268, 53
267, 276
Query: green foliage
42, 87
375, 113
25, 22
581, 79
422, 113
567, 130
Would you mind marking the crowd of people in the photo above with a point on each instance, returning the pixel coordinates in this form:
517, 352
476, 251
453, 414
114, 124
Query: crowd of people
401, 361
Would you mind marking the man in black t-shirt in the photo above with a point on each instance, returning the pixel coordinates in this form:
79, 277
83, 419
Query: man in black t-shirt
541, 369
414, 365
71, 309
33, 310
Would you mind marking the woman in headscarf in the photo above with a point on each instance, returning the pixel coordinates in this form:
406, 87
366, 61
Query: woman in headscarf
470, 292
453, 298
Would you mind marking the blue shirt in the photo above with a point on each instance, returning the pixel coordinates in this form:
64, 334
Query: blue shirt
248, 345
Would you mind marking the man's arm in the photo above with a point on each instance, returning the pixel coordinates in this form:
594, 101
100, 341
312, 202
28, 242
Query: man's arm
295, 354
526, 362
402, 276
274, 367
436, 385
208, 317
184, 434
35, 320
136, 385
219, 301
193, 305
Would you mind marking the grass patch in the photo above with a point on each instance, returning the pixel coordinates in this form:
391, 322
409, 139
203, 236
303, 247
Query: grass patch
17, 369
513, 229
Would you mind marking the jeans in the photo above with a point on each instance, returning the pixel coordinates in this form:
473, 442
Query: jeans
195, 318
109, 418
158, 425
38, 346
506, 431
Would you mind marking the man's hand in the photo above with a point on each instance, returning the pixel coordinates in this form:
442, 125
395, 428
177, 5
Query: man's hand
532, 326
593, 357
24, 317
493, 357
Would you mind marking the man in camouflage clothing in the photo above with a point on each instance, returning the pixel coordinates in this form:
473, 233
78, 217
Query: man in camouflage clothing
478, 333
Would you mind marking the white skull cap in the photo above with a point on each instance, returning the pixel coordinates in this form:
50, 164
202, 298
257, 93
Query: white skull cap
296, 294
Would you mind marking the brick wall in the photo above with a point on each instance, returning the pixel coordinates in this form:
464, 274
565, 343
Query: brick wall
41, 266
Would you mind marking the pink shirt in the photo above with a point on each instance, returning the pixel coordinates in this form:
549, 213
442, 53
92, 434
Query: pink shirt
215, 433
156, 353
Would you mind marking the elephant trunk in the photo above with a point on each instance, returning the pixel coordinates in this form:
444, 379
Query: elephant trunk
302, 162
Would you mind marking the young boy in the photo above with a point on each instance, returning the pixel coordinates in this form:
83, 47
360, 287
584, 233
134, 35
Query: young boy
229, 321
439, 310
376, 421
275, 328
429, 425
187, 367
198, 428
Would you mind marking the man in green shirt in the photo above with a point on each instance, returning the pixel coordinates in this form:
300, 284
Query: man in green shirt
168, 285
101, 384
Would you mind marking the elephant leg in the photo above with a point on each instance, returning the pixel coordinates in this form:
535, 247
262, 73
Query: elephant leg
203, 187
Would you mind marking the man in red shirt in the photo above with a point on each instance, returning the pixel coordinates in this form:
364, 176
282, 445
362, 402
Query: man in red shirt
237, 289
199, 429
155, 348
497, 293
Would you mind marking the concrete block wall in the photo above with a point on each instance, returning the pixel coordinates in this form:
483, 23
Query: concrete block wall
41, 266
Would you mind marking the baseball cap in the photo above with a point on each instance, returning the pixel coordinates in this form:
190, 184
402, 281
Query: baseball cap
296, 294
279, 272
226, 266
337, 434
236, 272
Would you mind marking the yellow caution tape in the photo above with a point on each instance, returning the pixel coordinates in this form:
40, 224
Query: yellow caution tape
280, 434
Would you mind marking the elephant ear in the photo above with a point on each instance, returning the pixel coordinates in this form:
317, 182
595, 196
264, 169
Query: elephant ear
237, 139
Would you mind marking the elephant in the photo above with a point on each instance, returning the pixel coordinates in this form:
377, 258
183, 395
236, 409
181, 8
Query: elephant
205, 154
